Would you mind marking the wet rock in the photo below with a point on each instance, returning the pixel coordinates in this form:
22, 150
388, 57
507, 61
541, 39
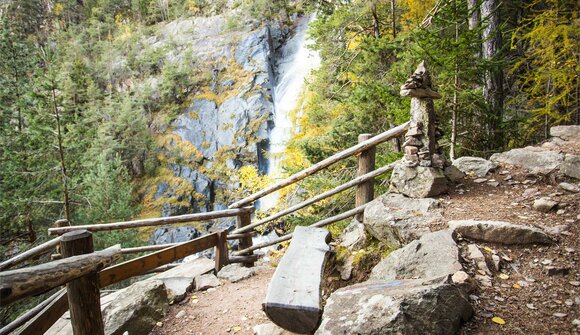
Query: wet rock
433, 255
536, 160
544, 205
396, 307
235, 273
206, 281
137, 309
395, 219
567, 133
499, 232
418, 182
474, 166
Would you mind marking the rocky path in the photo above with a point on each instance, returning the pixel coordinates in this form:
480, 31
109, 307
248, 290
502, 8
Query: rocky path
530, 288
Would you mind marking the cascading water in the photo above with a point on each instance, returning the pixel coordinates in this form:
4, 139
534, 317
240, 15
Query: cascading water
296, 62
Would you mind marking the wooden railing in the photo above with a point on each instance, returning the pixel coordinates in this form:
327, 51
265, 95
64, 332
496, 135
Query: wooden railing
40, 318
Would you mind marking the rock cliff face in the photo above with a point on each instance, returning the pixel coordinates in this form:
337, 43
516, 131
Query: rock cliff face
224, 124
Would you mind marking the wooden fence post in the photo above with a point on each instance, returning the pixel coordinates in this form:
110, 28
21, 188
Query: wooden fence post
84, 296
221, 251
243, 220
366, 164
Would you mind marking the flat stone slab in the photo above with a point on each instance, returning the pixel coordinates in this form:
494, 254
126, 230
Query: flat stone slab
536, 160
396, 307
180, 279
499, 232
474, 166
433, 255
396, 220
235, 273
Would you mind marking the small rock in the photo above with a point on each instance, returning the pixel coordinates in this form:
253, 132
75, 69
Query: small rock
180, 314
500, 299
480, 180
483, 280
531, 306
544, 204
235, 272
207, 281
530, 192
557, 230
159, 324
496, 262
560, 315
460, 277
569, 250
576, 322
493, 183
546, 262
569, 302
560, 211
556, 271
574, 283
569, 187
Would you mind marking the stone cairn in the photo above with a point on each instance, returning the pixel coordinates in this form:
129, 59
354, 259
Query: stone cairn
421, 148
421, 173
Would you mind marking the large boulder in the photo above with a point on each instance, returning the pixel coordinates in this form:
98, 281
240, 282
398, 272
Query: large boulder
395, 219
137, 310
536, 160
567, 133
396, 307
418, 182
433, 255
475, 166
499, 232
166, 235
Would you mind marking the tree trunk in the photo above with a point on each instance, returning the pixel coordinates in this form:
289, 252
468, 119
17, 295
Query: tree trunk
473, 11
493, 88
455, 88
393, 22
61, 154
376, 23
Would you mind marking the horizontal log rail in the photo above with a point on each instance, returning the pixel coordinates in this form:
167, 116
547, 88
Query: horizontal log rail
154, 222
317, 198
36, 251
22, 283
319, 224
140, 265
50, 314
383, 137
145, 248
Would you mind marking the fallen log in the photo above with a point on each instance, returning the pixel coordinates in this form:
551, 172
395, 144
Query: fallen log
293, 301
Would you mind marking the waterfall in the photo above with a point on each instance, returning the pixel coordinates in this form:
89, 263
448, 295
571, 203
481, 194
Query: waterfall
296, 63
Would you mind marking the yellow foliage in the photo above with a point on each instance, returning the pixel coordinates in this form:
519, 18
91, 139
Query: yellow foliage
58, 8
416, 12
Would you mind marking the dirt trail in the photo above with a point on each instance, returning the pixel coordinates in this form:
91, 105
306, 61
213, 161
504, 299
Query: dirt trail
529, 300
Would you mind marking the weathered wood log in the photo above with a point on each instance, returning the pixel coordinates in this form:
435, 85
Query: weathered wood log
36, 251
47, 317
221, 251
155, 221
242, 235
387, 135
146, 248
140, 265
244, 220
319, 224
84, 296
22, 319
162, 268
293, 301
366, 163
21, 283
319, 197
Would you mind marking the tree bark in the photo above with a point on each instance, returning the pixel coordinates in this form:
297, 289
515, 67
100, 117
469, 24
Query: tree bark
393, 22
376, 23
493, 88
473, 11
61, 153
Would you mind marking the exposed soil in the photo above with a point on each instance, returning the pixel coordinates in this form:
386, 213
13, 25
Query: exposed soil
233, 308
529, 301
